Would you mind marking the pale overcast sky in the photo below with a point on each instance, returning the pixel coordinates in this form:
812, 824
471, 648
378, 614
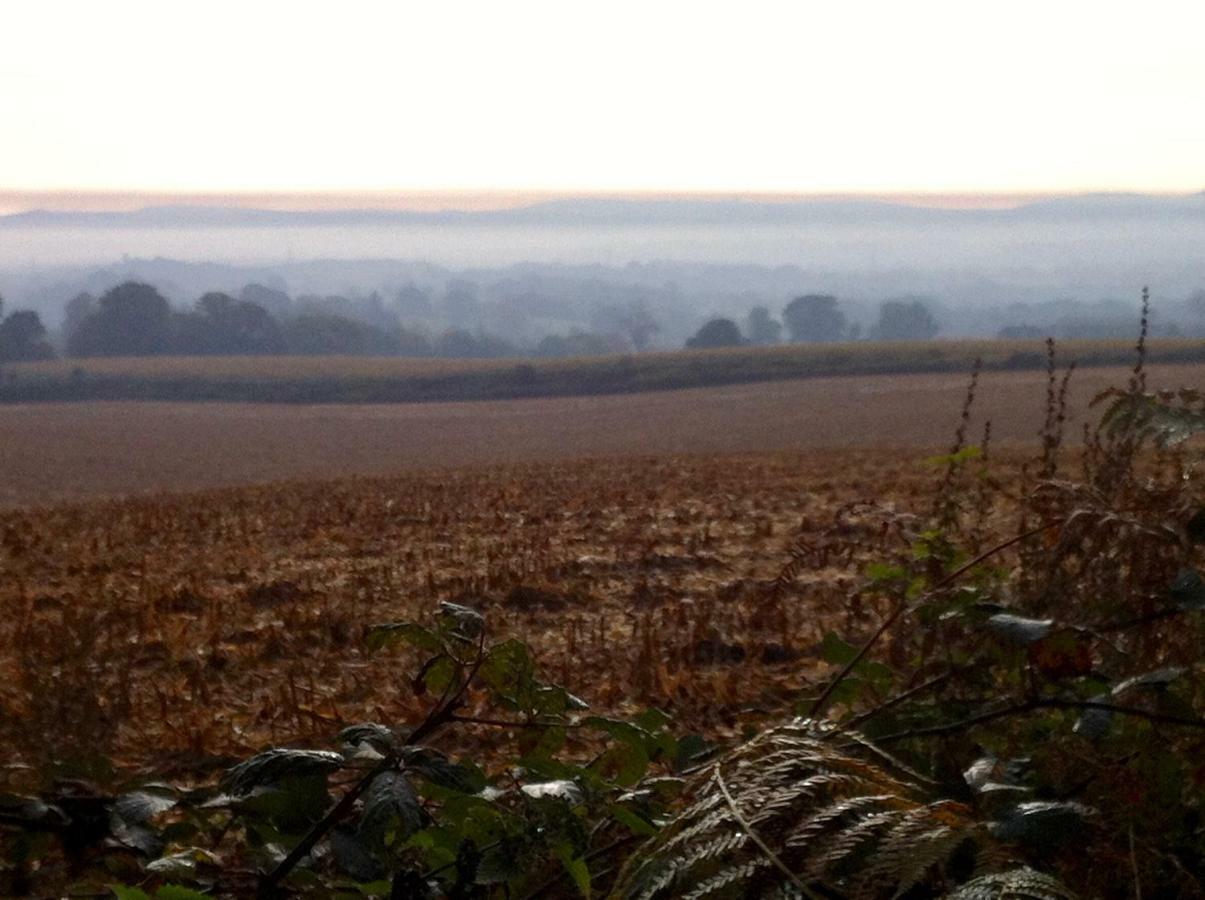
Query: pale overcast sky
608, 96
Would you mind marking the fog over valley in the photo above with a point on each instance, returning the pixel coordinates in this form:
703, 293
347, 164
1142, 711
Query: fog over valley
550, 267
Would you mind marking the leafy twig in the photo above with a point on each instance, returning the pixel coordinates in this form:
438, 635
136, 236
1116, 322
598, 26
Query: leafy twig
442, 714
822, 701
1027, 706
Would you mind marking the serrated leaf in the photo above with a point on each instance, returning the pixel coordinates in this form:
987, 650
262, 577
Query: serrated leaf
371, 734
508, 669
389, 802
291, 805
274, 765
442, 772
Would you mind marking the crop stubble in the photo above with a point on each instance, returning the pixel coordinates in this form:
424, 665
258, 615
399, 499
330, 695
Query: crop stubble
175, 630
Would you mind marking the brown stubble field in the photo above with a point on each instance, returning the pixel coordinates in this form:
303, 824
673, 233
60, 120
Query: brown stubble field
173, 631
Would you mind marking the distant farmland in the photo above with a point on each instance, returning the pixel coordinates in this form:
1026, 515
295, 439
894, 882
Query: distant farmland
274, 379
59, 451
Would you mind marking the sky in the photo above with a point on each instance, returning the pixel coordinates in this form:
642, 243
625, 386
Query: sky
515, 98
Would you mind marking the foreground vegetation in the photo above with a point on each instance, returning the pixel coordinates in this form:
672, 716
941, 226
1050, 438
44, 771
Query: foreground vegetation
396, 380
1004, 695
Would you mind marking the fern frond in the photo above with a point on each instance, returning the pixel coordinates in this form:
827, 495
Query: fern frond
1017, 884
806, 809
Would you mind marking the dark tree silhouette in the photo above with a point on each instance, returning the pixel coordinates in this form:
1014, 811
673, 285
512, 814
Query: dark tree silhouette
132, 319
814, 318
77, 309
278, 304
23, 337
906, 319
761, 327
323, 334
221, 325
716, 333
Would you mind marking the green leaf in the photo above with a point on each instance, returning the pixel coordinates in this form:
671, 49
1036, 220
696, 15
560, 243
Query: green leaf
625, 732
632, 820
390, 804
460, 621
625, 763
508, 669
881, 573
393, 633
577, 869
291, 805
653, 720
436, 674
125, 892
376, 736
179, 892
440, 771
275, 765
692, 748
836, 651
354, 856
966, 454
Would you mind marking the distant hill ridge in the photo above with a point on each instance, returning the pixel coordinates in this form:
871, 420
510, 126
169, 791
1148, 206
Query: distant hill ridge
621, 211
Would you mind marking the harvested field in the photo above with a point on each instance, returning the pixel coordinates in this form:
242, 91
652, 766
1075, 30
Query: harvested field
55, 452
175, 631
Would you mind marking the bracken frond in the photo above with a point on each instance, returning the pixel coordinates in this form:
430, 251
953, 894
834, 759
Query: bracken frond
806, 809
1016, 884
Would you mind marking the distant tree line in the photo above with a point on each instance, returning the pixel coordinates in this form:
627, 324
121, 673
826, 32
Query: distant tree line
135, 319
818, 318
22, 336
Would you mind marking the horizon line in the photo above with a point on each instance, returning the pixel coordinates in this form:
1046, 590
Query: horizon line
91, 200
